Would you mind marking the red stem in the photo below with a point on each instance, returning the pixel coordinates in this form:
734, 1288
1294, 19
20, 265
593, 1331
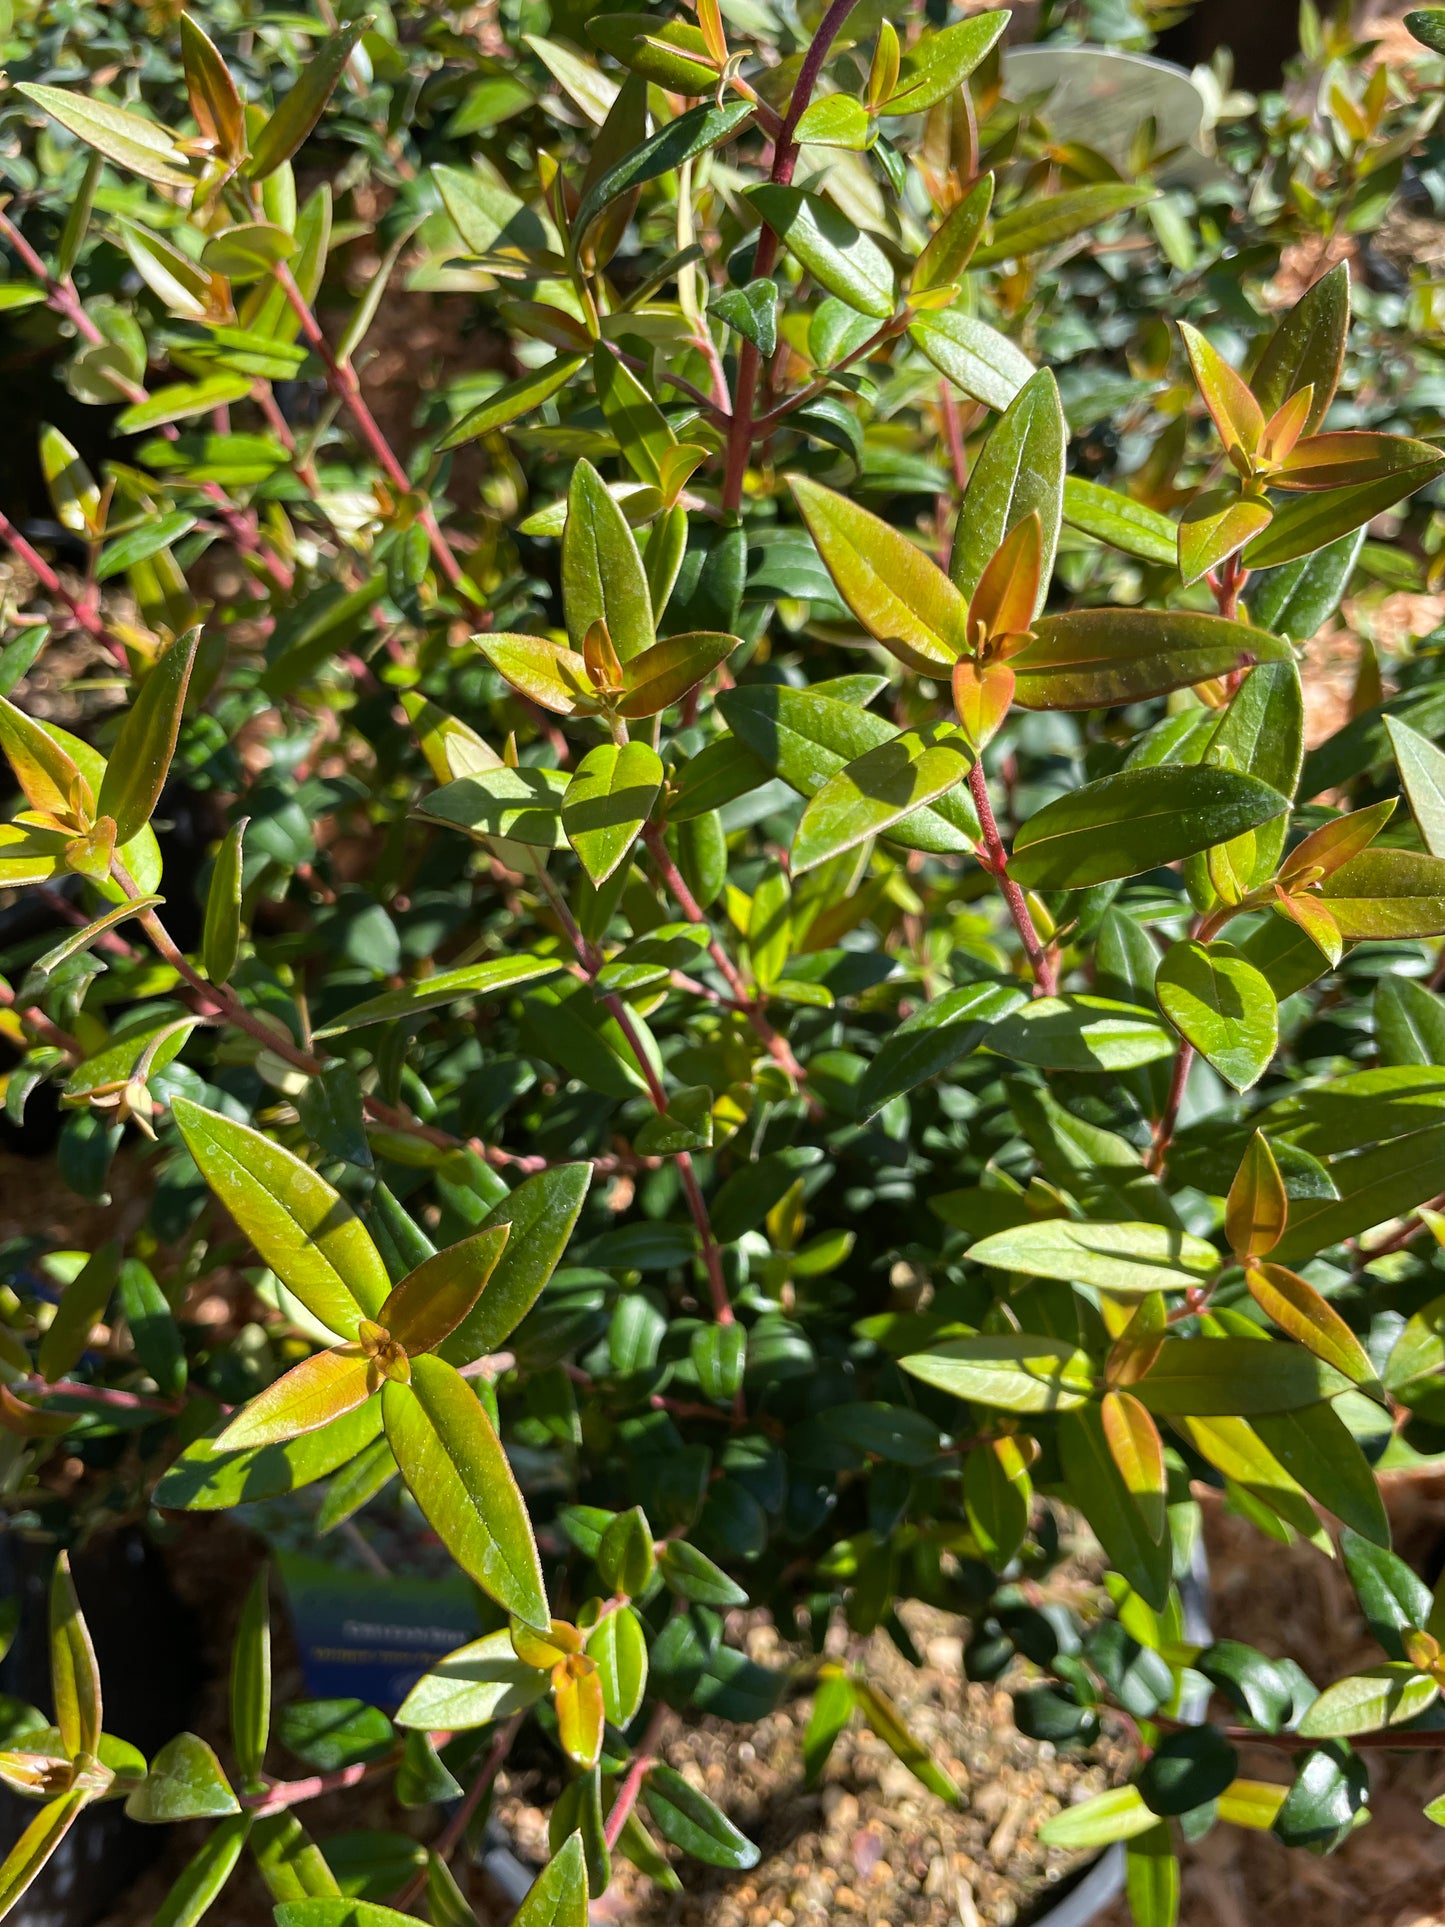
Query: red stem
289, 1793
1041, 962
642, 1760
451, 1837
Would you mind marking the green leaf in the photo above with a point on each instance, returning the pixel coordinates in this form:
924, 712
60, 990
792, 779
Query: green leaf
82, 1306
673, 53
1117, 1258
1080, 1033
1409, 1023
458, 1473
952, 244
1298, 599
337, 1733
48, 775
35, 1846
607, 803
74, 1675
1019, 472
1307, 349
1382, 1696
480, 980
942, 60
558, 1896
137, 767
1330, 1792
153, 1328
618, 1647
251, 1679
473, 1686
663, 674
513, 400
1224, 1377
200, 1881
1312, 522
1350, 458
131, 141
1151, 1878
1317, 1448
997, 1498
1422, 772
307, 1397
888, 1723
806, 738
1046, 220
1392, 1597
1123, 523
221, 932
1136, 1545
1223, 1006
206, 1478
897, 593
329, 1910
689, 1821
603, 579
1388, 893
291, 123
541, 1213
303, 1229
1375, 1184
1119, 1814
185, 1782
1216, 525
835, 120
1187, 1770
1097, 658
691, 1575
1135, 821
834, 1703
872, 793
1427, 24
840, 257
976, 358
1297, 1308
1014, 1371
641, 429
751, 311
938, 1033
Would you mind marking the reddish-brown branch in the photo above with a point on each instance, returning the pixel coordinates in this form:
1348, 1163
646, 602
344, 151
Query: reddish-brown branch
451, 1838
643, 1759
281, 1794
1041, 961
1164, 1130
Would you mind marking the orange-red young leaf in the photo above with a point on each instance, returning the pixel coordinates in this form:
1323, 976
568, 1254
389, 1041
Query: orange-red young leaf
1237, 415
981, 695
432, 1301
1333, 845
310, 1395
1138, 1451
544, 1650
1286, 425
1257, 1209
1297, 1308
1003, 604
1314, 918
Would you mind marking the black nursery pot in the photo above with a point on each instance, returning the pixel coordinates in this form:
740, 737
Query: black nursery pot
149, 1653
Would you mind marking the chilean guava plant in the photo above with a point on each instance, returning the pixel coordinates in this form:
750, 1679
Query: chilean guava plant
776, 1009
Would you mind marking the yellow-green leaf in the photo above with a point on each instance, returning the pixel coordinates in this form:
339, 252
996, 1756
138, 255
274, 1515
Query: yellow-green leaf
877, 789
307, 1397
1297, 1308
136, 770
431, 1301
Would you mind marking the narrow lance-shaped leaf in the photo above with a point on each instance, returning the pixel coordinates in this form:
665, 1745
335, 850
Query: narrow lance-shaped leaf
1297, 1308
299, 112
251, 1680
839, 256
212, 92
1308, 348
1257, 1208
221, 930
603, 579
131, 141
1422, 772
74, 1675
458, 1473
301, 1227
879, 788
431, 1301
136, 770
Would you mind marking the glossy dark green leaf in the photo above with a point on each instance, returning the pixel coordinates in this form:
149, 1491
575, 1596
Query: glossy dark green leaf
1019, 472
1187, 1769
603, 579
1123, 825
607, 803
884, 786
689, 1821
334, 1733
1298, 598
942, 60
221, 931
444, 987
1081, 1033
839, 256
1096, 658
1331, 1789
1307, 348
806, 739
1394, 1600
137, 767
291, 123
938, 1033
1312, 522
541, 1213
1131, 1541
